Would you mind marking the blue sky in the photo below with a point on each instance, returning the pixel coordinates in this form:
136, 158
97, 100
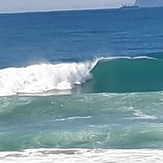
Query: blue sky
46, 5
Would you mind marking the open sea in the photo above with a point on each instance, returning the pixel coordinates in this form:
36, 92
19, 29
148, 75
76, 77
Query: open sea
82, 86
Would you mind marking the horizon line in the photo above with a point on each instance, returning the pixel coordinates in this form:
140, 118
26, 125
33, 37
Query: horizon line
59, 10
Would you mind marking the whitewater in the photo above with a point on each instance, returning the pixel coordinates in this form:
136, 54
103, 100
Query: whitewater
83, 155
42, 78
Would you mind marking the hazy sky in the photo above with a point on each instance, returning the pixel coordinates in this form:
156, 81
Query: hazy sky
40, 5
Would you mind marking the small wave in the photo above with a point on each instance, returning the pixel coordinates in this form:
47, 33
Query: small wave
140, 115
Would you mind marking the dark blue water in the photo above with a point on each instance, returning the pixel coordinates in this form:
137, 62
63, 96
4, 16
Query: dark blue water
78, 35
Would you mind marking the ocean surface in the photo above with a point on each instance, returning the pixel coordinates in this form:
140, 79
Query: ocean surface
82, 86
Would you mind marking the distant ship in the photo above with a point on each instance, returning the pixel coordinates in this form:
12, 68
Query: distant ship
129, 7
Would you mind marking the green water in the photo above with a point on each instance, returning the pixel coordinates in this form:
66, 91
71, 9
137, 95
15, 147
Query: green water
108, 120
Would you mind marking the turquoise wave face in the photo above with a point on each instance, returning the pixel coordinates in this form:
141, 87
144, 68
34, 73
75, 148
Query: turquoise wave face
131, 120
126, 75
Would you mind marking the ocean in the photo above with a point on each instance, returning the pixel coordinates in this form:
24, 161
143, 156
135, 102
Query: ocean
82, 86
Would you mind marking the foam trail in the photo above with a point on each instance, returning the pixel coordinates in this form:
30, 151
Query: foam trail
83, 155
43, 77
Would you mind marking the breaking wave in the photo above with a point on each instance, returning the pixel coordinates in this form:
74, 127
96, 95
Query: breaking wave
43, 77
139, 74
113, 74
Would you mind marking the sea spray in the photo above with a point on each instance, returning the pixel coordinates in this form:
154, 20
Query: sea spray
43, 77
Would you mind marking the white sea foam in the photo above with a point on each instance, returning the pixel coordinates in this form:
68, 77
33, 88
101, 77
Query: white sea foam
141, 115
43, 77
72, 118
126, 57
146, 57
83, 156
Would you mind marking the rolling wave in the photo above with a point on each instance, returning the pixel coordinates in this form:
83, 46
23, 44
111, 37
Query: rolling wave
112, 74
138, 74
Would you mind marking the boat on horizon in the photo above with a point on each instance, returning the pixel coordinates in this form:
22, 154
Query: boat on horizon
129, 7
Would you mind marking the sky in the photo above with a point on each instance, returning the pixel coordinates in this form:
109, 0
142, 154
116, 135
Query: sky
52, 5
149, 3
